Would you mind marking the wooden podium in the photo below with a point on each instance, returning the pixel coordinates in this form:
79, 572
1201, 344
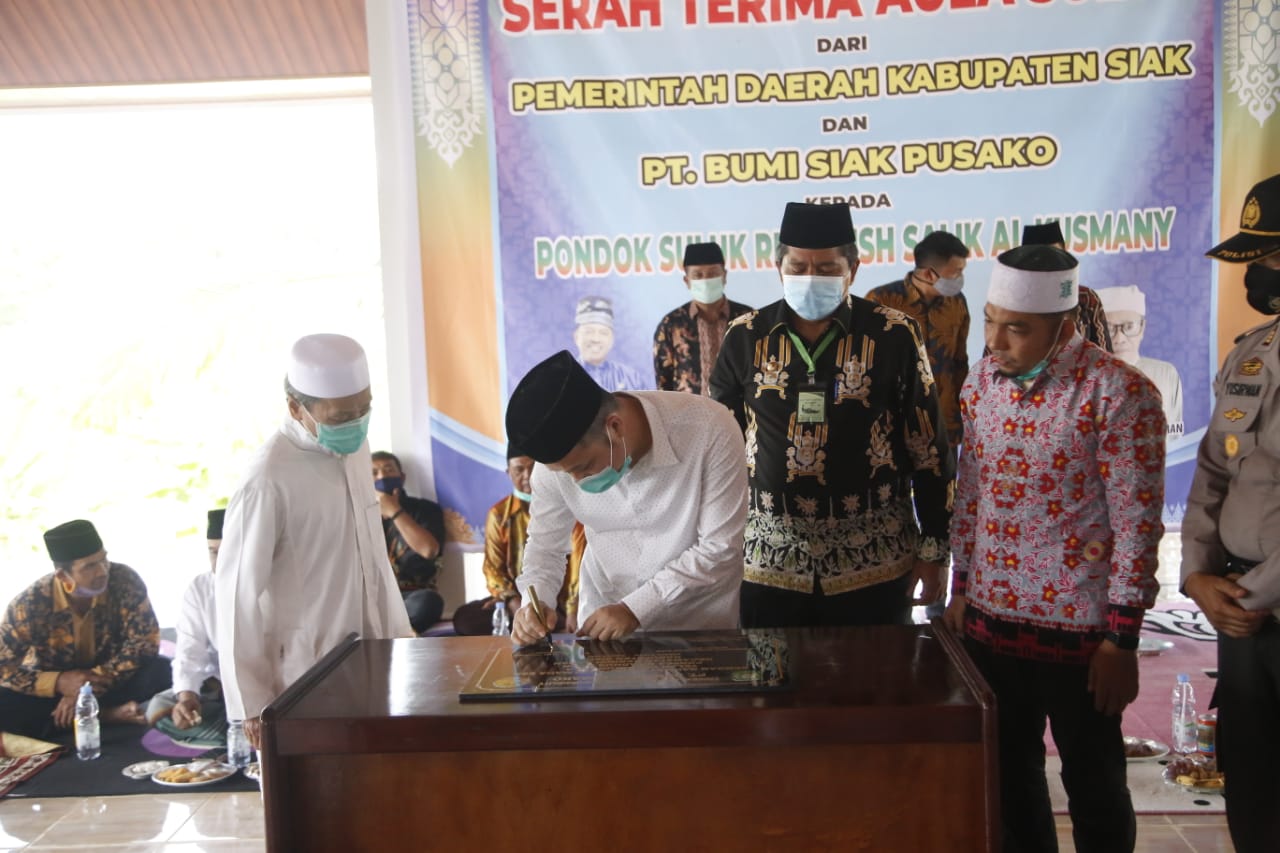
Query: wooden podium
884, 742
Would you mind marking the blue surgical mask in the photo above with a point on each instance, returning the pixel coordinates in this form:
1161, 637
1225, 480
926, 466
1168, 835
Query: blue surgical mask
609, 477
813, 297
388, 485
707, 290
343, 439
524, 496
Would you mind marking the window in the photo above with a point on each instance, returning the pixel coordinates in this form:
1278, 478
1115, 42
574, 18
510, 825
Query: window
160, 248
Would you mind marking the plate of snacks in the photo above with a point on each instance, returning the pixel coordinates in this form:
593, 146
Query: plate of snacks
193, 775
253, 770
1195, 773
1143, 749
144, 769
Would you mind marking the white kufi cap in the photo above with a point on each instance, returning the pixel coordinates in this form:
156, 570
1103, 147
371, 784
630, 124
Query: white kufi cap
328, 366
1033, 291
1127, 298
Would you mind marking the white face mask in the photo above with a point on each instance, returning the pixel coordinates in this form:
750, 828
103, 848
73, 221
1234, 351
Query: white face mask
813, 297
707, 290
950, 286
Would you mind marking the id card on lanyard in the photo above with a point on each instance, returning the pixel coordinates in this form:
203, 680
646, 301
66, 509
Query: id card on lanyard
811, 398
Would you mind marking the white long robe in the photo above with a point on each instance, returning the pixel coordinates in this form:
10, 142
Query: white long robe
196, 658
303, 563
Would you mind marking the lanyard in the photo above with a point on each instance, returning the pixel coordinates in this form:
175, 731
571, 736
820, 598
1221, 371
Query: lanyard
811, 360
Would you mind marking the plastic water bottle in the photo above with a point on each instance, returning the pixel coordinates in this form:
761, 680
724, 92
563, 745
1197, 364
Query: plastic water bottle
88, 733
501, 624
238, 750
1184, 715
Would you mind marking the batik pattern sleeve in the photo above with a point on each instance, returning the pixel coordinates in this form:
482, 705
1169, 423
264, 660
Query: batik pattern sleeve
497, 542
1131, 462
16, 638
573, 569
1091, 320
728, 379
134, 633
965, 514
933, 465
664, 357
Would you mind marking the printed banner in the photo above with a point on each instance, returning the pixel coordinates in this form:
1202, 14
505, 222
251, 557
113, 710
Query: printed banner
569, 149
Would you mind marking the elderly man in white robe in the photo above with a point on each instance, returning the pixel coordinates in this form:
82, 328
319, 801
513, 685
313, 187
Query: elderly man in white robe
303, 561
658, 480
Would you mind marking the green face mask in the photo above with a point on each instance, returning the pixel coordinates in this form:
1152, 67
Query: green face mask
343, 439
1033, 372
1040, 365
609, 477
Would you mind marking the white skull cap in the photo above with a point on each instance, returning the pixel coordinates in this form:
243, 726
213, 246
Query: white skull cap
328, 366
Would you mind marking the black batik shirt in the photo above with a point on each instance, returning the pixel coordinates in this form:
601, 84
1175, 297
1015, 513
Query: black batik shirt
832, 503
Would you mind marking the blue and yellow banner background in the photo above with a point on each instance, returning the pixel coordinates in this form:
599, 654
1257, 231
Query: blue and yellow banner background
572, 149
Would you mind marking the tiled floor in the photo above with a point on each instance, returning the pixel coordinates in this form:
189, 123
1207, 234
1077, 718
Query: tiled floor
1168, 834
179, 823
232, 823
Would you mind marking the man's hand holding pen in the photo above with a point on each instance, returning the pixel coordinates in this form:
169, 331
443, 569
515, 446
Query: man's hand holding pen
533, 623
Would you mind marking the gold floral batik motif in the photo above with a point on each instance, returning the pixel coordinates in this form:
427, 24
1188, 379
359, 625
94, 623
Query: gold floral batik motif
881, 449
805, 456
772, 374
753, 441
920, 444
892, 317
853, 381
923, 366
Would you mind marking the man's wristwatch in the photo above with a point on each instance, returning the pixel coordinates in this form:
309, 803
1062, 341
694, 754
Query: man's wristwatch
1128, 642
396, 515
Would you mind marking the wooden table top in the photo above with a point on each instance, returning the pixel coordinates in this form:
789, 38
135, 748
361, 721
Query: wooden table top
891, 684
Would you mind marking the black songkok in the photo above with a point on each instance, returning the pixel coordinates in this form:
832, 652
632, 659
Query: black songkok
1044, 234
816, 226
552, 408
215, 523
703, 254
72, 541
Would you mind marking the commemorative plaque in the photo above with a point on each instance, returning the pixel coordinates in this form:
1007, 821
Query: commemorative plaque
676, 662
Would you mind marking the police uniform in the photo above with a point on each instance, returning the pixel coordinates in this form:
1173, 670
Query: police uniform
1232, 523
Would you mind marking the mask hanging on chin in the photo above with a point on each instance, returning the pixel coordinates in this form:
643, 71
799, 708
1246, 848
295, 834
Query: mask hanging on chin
949, 286
524, 496
1035, 371
80, 591
813, 297
708, 291
1262, 289
1039, 367
607, 478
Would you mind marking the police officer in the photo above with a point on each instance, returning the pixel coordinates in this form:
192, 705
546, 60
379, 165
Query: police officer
1231, 538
